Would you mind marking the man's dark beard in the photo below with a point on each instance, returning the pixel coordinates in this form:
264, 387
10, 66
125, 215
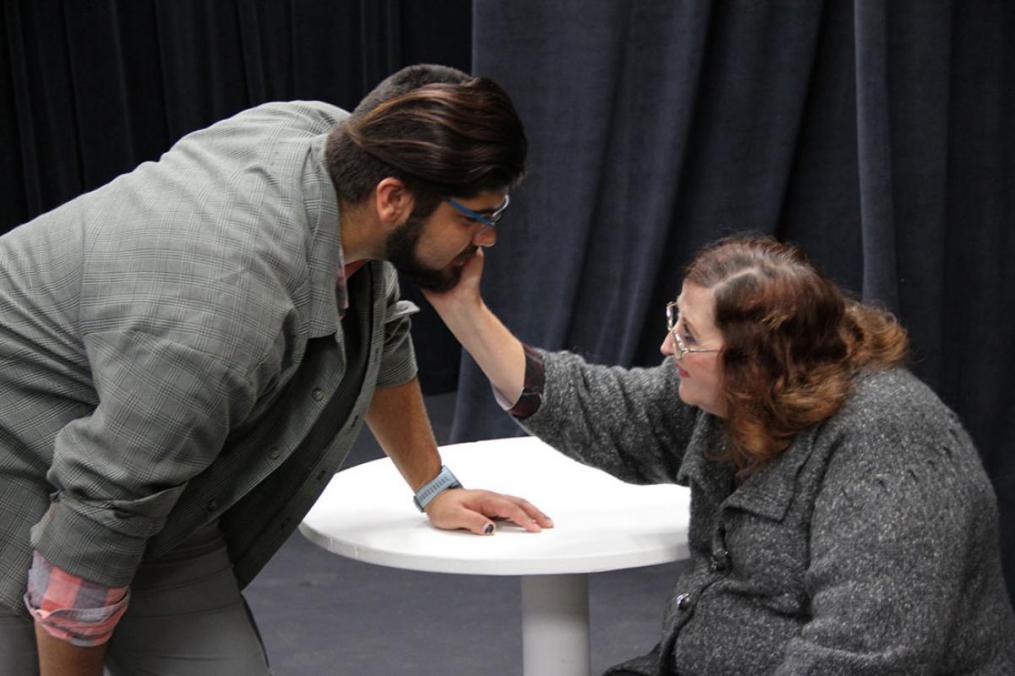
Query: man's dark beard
400, 251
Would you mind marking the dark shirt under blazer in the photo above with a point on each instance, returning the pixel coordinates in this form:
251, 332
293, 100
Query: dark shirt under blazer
152, 350
870, 546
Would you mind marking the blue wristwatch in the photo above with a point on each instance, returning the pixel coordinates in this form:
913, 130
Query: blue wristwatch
435, 487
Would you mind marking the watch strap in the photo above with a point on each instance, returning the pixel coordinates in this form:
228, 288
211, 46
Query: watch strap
431, 489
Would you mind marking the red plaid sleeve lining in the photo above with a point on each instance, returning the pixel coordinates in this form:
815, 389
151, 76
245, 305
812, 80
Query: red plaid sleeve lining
531, 397
71, 608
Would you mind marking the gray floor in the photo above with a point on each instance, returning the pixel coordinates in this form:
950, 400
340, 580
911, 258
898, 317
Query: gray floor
320, 613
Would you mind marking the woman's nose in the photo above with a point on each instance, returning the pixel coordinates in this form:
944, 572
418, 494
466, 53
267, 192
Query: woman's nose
667, 347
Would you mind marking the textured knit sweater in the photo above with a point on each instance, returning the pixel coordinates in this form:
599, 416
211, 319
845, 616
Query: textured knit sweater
869, 546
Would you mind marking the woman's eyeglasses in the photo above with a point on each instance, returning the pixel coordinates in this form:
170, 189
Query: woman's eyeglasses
672, 320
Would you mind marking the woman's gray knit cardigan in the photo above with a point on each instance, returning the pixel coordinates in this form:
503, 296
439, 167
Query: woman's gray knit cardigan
870, 546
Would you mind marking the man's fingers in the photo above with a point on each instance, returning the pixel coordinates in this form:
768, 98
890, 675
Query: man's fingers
535, 513
475, 511
450, 511
531, 512
517, 510
477, 523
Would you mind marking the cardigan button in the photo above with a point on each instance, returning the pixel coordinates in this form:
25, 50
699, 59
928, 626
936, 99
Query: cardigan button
317, 394
274, 453
683, 602
212, 505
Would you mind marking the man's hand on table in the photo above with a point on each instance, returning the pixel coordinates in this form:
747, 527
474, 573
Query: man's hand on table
476, 510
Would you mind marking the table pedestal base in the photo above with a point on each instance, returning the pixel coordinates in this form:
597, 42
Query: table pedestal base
555, 625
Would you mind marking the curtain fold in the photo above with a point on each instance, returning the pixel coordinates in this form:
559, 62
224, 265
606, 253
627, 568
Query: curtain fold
874, 150
877, 135
89, 90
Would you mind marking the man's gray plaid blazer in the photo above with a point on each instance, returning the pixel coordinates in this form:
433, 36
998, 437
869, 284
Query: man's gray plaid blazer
153, 353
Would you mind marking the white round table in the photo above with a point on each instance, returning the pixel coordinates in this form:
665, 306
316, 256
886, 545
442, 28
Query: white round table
600, 523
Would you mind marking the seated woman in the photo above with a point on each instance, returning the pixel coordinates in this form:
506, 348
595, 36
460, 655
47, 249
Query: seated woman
841, 520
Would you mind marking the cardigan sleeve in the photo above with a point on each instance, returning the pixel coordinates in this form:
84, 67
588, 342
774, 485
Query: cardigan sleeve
627, 422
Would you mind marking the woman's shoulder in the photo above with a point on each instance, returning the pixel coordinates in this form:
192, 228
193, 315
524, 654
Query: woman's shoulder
894, 427
894, 399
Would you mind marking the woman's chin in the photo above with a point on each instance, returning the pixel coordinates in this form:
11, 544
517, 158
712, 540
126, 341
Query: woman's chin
685, 396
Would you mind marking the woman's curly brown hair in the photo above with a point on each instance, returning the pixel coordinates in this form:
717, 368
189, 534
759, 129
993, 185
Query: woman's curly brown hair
793, 341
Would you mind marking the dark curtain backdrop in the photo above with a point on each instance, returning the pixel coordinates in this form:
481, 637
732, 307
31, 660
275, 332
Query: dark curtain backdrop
876, 134
89, 90
879, 135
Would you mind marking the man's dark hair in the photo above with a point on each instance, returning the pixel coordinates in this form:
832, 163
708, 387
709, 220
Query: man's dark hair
440, 131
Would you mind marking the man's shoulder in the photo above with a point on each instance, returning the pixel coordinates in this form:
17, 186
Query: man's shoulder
314, 116
251, 168
260, 132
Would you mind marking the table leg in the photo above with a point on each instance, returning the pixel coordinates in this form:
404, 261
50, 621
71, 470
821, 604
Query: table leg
555, 625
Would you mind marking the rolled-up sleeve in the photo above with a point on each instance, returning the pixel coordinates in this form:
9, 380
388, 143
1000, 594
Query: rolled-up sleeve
164, 411
71, 608
398, 363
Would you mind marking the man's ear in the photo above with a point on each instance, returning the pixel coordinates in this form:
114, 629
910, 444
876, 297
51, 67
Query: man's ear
393, 202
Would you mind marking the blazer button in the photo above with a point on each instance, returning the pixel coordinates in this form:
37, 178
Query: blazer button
720, 560
683, 602
317, 394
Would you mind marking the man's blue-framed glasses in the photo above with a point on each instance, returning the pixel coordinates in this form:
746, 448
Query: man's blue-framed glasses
490, 219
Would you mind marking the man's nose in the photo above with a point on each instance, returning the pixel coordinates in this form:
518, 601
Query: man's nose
486, 237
